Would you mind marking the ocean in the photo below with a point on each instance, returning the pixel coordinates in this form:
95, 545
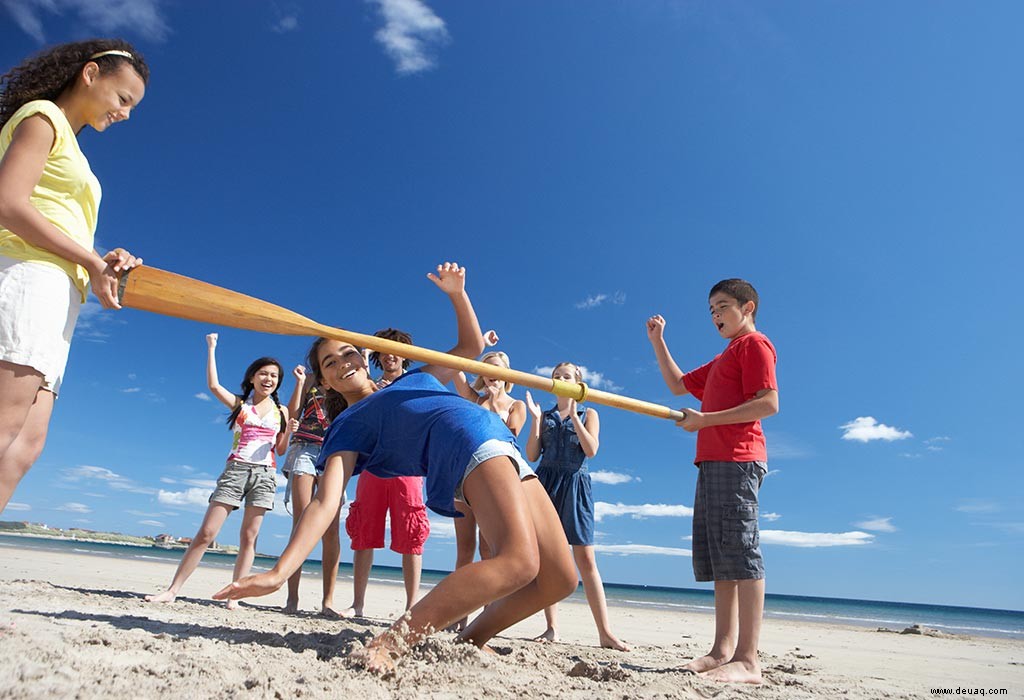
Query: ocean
865, 613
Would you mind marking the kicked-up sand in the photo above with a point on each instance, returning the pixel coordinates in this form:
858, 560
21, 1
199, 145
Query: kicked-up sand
76, 626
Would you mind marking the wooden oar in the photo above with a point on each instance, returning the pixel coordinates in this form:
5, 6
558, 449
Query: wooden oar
151, 289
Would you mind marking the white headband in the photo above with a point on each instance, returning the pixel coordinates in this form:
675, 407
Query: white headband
113, 52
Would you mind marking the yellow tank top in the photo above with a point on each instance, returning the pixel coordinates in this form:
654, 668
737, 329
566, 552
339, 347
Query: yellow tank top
67, 194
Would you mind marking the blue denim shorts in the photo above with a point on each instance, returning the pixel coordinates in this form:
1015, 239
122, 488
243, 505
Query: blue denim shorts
726, 539
301, 458
489, 450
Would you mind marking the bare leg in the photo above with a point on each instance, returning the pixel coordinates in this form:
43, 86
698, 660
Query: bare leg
465, 547
530, 566
744, 667
551, 620
726, 629
362, 562
214, 519
330, 560
302, 493
25, 411
594, 588
252, 519
412, 567
556, 578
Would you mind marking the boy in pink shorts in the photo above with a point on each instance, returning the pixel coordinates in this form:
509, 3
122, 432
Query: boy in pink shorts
400, 496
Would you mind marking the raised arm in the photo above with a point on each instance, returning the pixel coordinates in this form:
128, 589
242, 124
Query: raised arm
310, 528
20, 171
533, 445
463, 389
516, 418
284, 436
222, 394
670, 371
302, 386
451, 279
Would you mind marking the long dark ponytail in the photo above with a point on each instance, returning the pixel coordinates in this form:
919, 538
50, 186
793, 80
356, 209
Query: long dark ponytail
247, 387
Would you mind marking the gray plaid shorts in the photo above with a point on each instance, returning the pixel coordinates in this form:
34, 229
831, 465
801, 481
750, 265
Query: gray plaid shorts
725, 535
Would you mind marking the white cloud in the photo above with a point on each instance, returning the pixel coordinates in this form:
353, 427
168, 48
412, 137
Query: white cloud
411, 30
594, 300
629, 549
131, 390
788, 538
286, 23
442, 529
978, 506
11, 505
866, 429
647, 510
878, 525
613, 478
189, 497
151, 523
75, 508
593, 379
89, 475
770, 517
203, 396
107, 17
938, 438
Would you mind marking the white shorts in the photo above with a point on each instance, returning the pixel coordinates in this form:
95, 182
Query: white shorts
39, 307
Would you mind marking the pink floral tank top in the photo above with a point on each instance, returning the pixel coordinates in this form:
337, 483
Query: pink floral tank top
255, 436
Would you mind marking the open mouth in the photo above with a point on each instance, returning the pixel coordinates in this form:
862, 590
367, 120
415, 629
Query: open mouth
720, 326
348, 374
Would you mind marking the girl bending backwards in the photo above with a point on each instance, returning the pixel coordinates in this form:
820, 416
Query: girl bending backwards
493, 395
260, 426
564, 437
416, 426
49, 200
309, 406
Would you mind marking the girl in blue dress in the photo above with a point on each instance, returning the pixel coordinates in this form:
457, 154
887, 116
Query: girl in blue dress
563, 438
417, 427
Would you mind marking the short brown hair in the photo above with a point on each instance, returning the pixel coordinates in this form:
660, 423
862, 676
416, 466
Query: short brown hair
740, 290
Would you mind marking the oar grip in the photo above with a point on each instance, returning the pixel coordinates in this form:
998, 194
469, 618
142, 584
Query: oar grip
572, 390
121, 284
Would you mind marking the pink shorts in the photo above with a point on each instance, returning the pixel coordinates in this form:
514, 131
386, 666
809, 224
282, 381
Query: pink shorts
403, 496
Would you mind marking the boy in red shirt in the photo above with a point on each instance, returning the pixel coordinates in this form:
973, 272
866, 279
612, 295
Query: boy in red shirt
736, 390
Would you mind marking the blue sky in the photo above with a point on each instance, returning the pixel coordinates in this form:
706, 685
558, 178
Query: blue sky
861, 163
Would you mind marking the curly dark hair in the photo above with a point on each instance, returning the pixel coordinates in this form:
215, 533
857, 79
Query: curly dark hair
49, 73
395, 335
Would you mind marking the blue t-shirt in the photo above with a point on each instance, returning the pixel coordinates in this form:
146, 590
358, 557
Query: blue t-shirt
415, 427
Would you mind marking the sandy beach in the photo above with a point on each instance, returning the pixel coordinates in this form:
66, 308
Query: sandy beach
76, 626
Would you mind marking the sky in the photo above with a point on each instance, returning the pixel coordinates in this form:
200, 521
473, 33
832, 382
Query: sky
860, 163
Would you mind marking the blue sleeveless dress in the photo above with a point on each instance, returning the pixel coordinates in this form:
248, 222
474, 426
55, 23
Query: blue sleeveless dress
563, 473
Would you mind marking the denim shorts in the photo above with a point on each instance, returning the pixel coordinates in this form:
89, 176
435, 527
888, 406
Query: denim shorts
301, 458
489, 450
726, 540
253, 484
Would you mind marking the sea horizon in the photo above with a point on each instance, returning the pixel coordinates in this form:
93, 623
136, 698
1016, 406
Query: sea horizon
893, 615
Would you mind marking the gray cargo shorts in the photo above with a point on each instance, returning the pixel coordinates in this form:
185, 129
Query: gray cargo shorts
255, 484
725, 535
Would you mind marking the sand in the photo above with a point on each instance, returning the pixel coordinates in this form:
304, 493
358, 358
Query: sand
76, 626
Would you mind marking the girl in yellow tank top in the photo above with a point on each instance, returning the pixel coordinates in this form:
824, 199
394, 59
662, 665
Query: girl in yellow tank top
49, 200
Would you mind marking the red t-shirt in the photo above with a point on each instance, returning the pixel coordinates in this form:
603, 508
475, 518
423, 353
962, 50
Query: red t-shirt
744, 368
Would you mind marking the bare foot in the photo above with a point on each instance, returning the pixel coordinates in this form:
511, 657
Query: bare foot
704, 663
350, 611
736, 672
291, 607
330, 613
231, 605
165, 597
612, 642
488, 649
550, 635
